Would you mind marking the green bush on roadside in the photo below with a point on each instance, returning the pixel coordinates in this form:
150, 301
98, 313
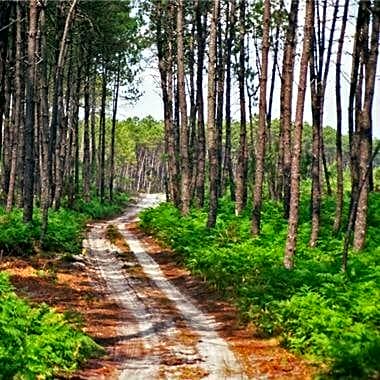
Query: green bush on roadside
36, 342
315, 309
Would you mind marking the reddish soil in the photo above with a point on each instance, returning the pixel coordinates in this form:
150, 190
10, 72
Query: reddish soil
68, 288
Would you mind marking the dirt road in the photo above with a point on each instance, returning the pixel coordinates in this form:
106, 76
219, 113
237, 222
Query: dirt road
168, 335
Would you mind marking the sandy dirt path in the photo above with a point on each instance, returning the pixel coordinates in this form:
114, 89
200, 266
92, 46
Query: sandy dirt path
167, 336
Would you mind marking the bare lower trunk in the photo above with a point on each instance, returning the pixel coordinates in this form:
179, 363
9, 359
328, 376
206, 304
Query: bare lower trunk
18, 111
339, 151
184, 127
260, 150
242, 166
286, 105
29, 114
211, 126
296, 152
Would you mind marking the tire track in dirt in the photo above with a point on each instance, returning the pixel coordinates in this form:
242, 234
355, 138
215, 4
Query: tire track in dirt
163, 315
121, 289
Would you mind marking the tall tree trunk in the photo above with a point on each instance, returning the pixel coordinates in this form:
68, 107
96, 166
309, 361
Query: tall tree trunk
86, 135
272, 181
260, 147
17, 110
211, 125
242, 166
102, 134
29, 114
370, 63
319, 69
113, 132
93, 127
286, 105
184, 126
291, 240
339, 150
45, 131
57, 108
201, 144
164, 35
62, 132
4, 21
220, 70
228, 175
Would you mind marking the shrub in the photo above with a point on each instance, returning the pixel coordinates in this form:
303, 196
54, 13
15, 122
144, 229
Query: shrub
36, 342
317, 311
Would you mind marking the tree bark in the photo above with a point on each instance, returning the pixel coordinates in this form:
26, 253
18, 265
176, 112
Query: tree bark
370, 63
242, 166
201, 144
17, 110
211, 125
260, 149
291, 240
228, 175
29, 114
86, 135
184, 126
339, 150
286, 105
113, 131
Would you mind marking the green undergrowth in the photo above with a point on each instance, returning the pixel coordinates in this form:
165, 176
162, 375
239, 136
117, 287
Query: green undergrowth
66, 226
315, 309
36, 342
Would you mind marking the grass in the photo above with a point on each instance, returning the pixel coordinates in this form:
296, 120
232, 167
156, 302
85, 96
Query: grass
316, 310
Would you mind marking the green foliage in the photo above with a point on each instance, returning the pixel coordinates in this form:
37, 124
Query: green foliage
36, 342
65, 231
316, 310
95, 209
15, 235
65, 228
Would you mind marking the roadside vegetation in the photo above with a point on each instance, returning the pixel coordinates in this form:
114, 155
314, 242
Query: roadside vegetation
316, 310
35, 341
65, 230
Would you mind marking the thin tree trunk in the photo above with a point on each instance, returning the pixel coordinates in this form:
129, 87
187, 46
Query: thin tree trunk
370, 63
86, 136
18, 110
102, 135
272, 185
260, 150
339, 150
211, 126
113, 132
221, 59
29, 114
184, 126
45, 132
241, 171
5, 11
291, 240
227, 167
286, 105
201, 144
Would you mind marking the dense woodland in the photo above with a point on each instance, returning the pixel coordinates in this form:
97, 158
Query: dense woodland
62, 67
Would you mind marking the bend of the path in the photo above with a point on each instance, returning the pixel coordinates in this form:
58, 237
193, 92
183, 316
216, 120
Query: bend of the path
168, 336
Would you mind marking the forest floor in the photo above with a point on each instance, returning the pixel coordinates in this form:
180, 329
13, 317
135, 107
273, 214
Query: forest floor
153, 318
